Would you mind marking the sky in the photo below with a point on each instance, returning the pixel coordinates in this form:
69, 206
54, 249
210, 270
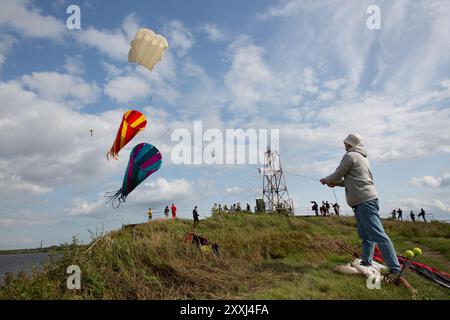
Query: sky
312, 69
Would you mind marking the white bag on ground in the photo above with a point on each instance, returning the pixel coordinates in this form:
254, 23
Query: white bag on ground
355, 267
346, 269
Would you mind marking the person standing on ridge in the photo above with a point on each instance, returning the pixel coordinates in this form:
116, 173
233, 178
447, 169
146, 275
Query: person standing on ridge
166, 212
400, 214
422, 214
195, 215
394, 214
355, 175
174, 211
336, 208
315, 208
413, 216
150, 214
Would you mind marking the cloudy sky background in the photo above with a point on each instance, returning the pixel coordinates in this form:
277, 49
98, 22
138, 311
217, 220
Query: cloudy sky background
309, 68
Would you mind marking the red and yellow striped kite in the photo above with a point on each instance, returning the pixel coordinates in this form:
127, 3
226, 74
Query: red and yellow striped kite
132, 122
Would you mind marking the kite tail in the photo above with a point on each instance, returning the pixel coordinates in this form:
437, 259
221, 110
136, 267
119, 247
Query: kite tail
115, 197
111, 154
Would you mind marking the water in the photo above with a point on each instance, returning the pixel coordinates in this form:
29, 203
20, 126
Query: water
21, 262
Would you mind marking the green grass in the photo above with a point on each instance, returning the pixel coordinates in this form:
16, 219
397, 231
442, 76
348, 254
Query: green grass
263, 257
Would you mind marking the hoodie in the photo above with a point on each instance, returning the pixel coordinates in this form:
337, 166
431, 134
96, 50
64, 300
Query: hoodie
354, 174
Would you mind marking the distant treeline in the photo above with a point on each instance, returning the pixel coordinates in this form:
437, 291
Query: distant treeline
36, 250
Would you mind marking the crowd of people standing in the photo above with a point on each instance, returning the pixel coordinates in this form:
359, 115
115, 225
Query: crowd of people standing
325, 208
397, 214
234, 208
217, 208
173, 210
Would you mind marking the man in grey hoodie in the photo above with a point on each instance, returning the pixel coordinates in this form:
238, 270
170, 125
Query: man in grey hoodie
354, 174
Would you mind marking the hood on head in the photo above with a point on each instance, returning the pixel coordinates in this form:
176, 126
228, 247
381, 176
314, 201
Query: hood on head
359, 148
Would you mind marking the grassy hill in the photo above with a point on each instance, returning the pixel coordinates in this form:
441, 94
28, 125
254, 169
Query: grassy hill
262, 257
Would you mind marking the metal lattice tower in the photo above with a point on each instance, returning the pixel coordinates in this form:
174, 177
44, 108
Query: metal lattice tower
275, 192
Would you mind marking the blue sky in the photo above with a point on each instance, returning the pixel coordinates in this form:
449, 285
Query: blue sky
309, 68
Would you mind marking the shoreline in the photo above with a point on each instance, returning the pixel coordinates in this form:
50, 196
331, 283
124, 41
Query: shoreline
30, 250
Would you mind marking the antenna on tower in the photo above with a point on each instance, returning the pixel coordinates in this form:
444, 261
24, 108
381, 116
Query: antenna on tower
275, 192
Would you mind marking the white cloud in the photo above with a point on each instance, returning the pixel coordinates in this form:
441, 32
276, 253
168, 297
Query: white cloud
326, 95
24, 217
130, 26
334, 84
48, 144
339, 44
127, 88
445, 83
6, 43
234, 190
433, 182
59, 87
310, 80
136, 82
393, 130
212, 31
440, 205
14, 183
427, 23
283, 9
74, 65
27, 20
178, 36
249, 80
314, 170
83, 208
112, 70
112, 43
162, 191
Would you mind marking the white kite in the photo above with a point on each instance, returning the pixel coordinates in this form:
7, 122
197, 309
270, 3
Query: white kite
147, 48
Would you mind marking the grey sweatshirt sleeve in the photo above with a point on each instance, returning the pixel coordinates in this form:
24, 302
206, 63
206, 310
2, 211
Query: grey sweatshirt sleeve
340, 183
345, 165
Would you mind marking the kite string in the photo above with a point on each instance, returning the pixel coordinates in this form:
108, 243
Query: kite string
302, 176
242, 179
159, 139
335, 197
312, 178
253, 186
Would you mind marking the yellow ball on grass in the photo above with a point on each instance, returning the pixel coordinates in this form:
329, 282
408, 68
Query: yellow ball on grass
409, 254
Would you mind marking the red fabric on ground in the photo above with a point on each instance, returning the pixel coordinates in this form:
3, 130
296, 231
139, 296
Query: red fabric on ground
378, 258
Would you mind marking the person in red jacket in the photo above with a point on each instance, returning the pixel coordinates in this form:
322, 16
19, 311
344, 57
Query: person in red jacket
174, 211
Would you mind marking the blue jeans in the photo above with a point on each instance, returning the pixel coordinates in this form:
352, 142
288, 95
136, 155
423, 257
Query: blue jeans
371, 232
